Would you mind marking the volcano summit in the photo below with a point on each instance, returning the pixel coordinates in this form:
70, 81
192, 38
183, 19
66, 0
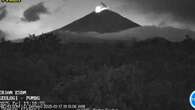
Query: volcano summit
102, 20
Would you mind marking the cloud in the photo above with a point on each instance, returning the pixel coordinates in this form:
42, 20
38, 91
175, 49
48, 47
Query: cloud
180, 10
147, 32
3, 12
33, 13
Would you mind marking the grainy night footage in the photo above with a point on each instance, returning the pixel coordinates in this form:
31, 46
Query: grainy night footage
97, 55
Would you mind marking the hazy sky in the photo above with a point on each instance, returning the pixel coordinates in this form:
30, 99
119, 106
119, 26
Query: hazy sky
39, 16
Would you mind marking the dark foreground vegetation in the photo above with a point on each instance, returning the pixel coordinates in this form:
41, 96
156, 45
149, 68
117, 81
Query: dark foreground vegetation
154, 74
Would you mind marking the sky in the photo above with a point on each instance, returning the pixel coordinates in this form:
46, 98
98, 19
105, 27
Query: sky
18, 20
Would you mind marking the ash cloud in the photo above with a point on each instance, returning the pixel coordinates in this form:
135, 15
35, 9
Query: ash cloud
33, 13
181, 10
3, 12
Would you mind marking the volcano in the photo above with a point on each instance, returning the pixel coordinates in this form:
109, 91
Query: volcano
103, 21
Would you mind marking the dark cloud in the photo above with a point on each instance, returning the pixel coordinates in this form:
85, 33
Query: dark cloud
33, 13
3, 12
182, 10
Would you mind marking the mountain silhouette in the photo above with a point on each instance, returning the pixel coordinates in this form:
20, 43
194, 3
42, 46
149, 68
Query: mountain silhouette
104, 22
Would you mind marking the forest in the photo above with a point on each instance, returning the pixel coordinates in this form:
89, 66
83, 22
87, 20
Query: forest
153, 74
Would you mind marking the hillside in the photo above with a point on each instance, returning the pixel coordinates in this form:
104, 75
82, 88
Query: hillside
154, 74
